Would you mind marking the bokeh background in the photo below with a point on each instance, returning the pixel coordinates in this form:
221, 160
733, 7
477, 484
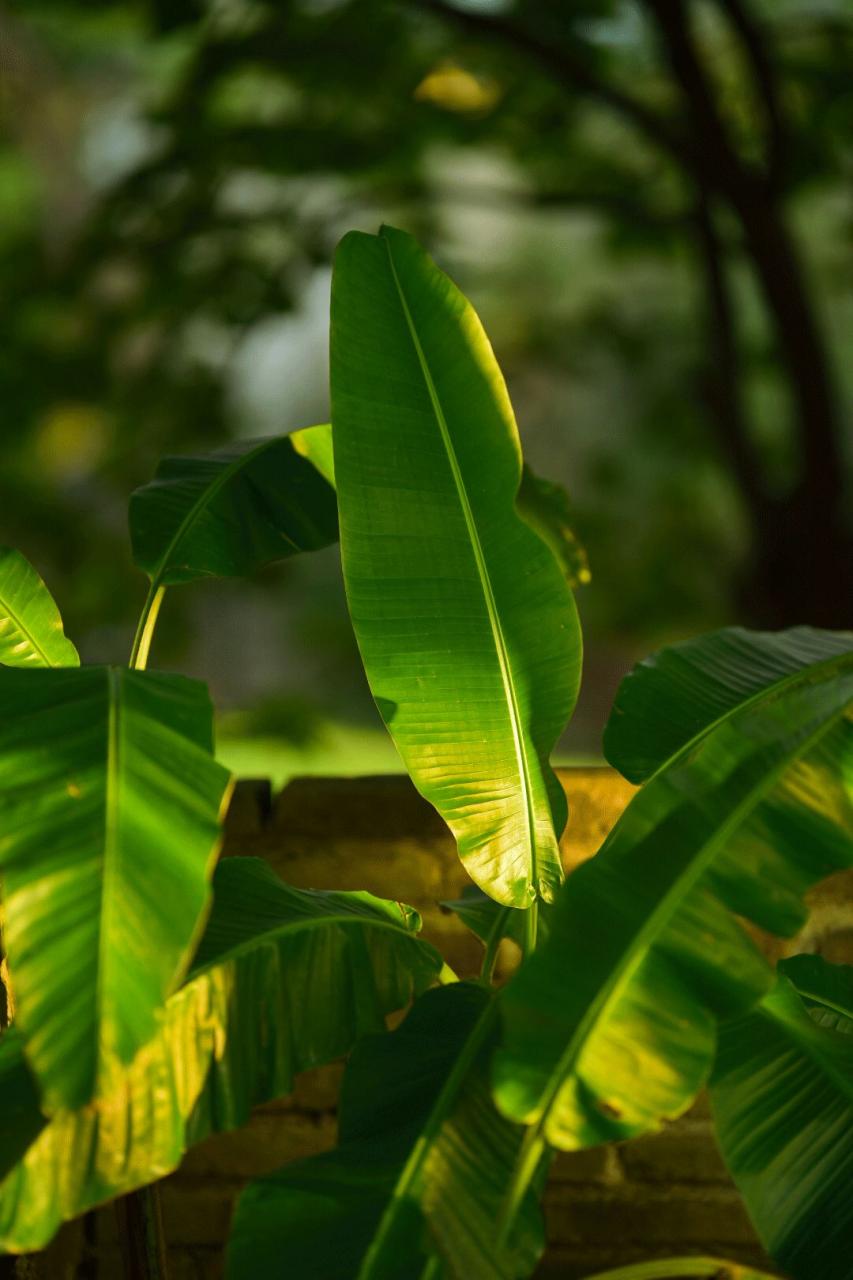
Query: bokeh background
648, 201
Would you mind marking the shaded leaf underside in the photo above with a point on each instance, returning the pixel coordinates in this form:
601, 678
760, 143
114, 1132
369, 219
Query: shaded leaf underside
782, 1096
228, 513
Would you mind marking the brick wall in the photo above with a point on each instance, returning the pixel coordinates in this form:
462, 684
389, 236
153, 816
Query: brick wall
661, 1195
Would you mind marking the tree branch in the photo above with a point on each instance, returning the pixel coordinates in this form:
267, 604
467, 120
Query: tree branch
780, 273
723, 378
752, 39
567, 66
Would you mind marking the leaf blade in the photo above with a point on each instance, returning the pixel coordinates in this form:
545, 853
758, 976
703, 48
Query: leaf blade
782, 1098
450, 591
674, 697
31, 633
112, 804
760, 810
271, 957
418, 1174
227, 513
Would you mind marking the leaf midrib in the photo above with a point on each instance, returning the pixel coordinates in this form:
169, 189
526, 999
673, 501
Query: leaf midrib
110, 852
641, 943
482, 573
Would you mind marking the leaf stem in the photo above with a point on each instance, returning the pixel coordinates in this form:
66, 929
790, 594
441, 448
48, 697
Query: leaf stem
531, 928
495, 938
145, 627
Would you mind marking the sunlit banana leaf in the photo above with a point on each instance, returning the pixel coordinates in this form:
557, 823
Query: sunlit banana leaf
611, 1026
21, 1119
419, 1173
547, 508
782, 1095
674, 697
225, 514
109, 823
285, 979
31, 632
467, 628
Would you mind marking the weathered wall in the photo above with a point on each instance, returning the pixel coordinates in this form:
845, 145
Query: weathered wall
661, 1195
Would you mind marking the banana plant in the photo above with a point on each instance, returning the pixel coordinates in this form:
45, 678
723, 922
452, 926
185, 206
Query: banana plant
158, 999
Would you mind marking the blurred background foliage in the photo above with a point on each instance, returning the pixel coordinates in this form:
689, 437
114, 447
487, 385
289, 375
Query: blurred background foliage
648, 201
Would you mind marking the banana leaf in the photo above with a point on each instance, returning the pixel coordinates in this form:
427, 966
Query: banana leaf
825, 989
674, 697
415, 1185
110, 819
31, 632
284, 979
782, 1097
467, 628
227, 513
611, 1026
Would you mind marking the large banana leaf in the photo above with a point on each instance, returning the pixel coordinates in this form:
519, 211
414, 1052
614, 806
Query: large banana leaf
467, 628
674, 697
109, 823
226, 513
611, 1026
415, 1185
285, 979
31, 632
782, 1095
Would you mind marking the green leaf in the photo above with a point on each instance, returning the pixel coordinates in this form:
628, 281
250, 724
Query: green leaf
488, 919
547, 508
484, 917
109, 814
782, 1096
419, 1172
21, 1119
826, 989
611, 1026
673, 698
285, 979
315, 444
467, 629
31, 632
227, 513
